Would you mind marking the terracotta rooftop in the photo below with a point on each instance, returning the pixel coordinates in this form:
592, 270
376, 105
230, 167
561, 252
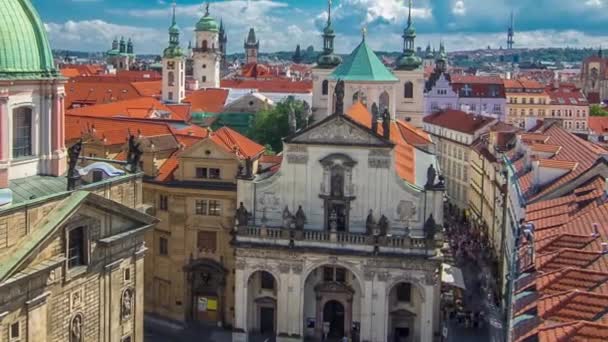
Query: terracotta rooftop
83, 91
574, 305
573, 332
403, 135
558, 164
458, 121
571, 278
598, 124
233, 141
140, 108
270, 86
210, 100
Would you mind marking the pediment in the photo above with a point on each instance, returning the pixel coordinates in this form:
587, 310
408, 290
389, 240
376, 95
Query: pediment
339, 130
40, 245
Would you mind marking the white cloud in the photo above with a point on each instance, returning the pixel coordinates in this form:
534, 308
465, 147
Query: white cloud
459, 8
594, 3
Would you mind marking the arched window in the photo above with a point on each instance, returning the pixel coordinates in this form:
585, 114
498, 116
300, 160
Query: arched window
171, 77
384, 101
325, 87
204, 45
204, 79
408, 90
22, 132
360, 96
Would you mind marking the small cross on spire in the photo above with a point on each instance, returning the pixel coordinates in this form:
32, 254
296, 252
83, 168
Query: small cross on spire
207, 8
364, 32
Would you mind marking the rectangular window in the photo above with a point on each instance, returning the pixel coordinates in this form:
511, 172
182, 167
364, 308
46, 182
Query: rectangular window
404, 292
340, 275
76, 247
163, 246
215, 209
266, 281
97, 176
206, 241
201, 172
127, 274
214, 173
328, 274
201, 207
15, 331
22, 132
163, 203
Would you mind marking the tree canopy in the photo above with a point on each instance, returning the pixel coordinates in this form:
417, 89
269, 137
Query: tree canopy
597, 110
270, 126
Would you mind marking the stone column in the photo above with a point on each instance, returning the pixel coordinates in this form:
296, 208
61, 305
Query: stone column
380, 310
319, 318
112, 301
138, 303
348, 319
296, 311
367, 313
282, 299
37, 318
240, 303
4, 139
426, 319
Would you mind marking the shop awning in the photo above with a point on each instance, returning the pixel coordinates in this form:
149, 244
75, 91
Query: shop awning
451, 275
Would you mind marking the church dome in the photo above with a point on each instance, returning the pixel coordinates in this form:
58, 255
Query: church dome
25, 52
409, 62
207, 23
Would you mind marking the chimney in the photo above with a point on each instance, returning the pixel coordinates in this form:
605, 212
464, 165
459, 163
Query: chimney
605, 247
596, 231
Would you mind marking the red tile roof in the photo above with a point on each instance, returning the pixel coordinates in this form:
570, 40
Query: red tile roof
403, 135
83, 91
574, 305
270, 86
166, 171
233, 141
458, 121
481, 86
140, 107
598, 124
568, 97
255, 70
210, 100
573, 332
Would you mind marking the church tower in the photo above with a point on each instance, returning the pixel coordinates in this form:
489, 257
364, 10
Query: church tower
409, 71
206, 52
223, 45
252, 48
326, 63
510, 34
174, 67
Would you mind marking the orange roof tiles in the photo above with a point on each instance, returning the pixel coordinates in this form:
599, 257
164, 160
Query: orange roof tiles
141, 108
166, 171
535, 137
210, 100
402, 134
548, 148
574, 306
571, 278
270, 86
458, 120
112, 131
573, 332
598, 124
558, 164
83, 91
233, 141
69, 72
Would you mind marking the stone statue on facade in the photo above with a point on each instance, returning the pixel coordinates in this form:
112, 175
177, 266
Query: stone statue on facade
127, 304
441, 183
333, 220
370, 223
383, 225
248, 168
386, 124
134, 155
300, 218
431, 175
337, 184
287, 218
73, 174
375, 117
76, 329
242, 216
339, 93
430, 228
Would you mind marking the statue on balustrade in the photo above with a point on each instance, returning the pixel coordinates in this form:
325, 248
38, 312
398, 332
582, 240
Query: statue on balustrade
431, 174
333, 220
300, 218
430, 228
242, 216
337, 184
339, 92
370, 223
133, 155
288, 218
73, 174
383, 225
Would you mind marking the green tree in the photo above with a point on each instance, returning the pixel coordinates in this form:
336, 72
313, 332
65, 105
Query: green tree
270, 126
597, 110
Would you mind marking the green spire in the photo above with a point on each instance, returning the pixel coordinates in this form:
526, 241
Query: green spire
328, 59
409, 60
174, 50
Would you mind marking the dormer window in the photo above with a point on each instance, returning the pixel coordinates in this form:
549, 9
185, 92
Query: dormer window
77, 249
208, 173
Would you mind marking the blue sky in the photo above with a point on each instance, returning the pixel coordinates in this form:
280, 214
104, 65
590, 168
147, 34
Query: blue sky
90, 25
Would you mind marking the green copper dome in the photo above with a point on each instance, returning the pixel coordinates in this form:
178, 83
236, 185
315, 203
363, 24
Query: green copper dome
25, 51
409, 62
207, 23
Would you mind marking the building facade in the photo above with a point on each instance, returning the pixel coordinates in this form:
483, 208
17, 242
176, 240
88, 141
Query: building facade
174, 67
527, 102
252, 48
71, 247
454, 132
570, 107
121, 57
594, 79
349, 249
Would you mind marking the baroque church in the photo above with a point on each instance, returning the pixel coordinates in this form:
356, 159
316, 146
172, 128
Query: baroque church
342, 238
367, 80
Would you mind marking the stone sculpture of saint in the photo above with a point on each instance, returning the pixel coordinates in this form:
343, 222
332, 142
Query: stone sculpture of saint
431, 174
76, 329
287, 218
339, 91
370, 223
300, 218
242, 216
127, 304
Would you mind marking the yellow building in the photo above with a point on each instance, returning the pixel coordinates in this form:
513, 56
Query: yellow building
527, 102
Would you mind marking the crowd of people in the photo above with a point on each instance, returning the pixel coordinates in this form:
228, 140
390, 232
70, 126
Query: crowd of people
470, 251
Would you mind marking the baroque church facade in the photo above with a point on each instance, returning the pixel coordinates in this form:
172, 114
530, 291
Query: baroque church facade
341, 240
400, 91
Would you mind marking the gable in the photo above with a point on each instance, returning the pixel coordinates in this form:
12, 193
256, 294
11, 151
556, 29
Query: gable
207, 149
339, 130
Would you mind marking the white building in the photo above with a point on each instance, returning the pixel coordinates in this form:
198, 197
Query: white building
341, 239
174, 67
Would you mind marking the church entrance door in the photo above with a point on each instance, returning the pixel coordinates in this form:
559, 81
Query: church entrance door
266, 321
333, 313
